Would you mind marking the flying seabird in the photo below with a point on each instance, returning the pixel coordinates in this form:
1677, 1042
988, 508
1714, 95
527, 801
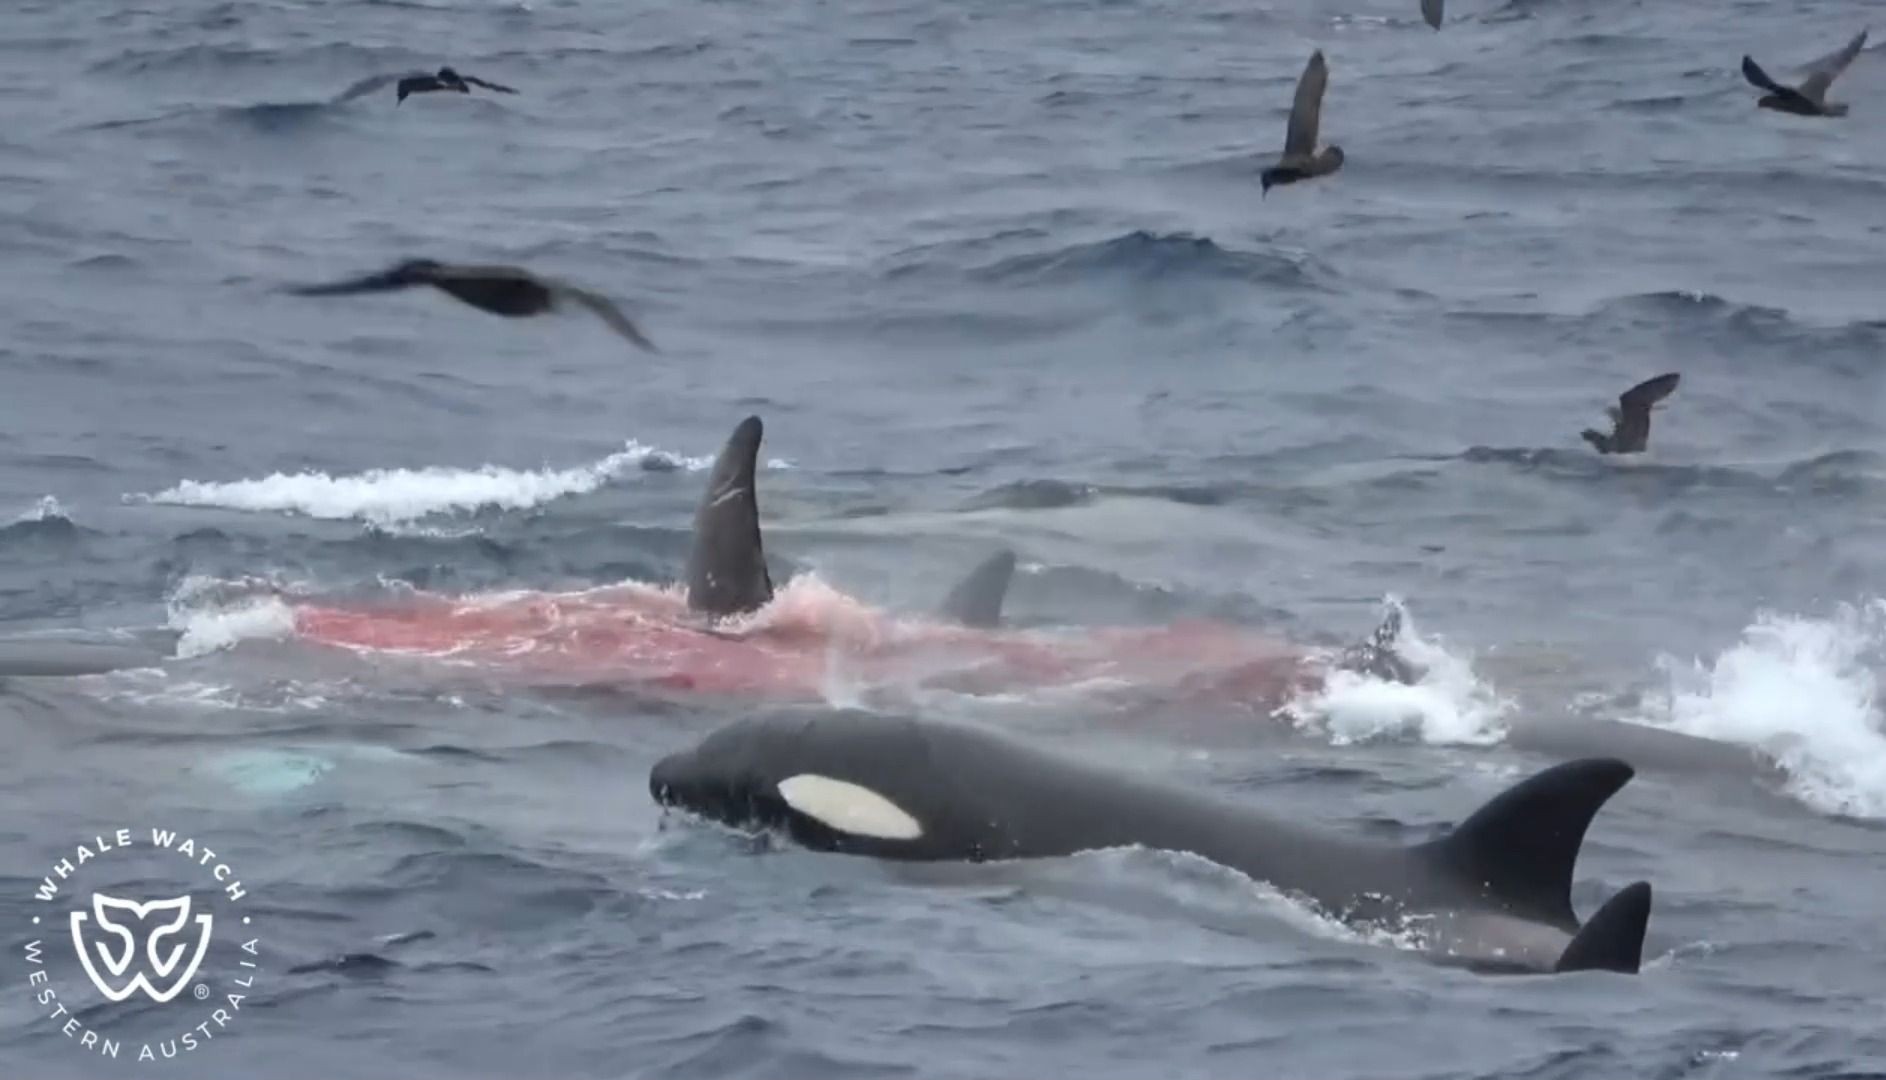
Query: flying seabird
419, 82
501, 290
1301, 160
1810, 98
1630, 417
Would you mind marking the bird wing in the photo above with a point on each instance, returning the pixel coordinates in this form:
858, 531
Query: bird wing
1641, 397
607, 311
384, 281
1824, 70
1306, 111
1431, 11
370, 85
1753, 72
476, 81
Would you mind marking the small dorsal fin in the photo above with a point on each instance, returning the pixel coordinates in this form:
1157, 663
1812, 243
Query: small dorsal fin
1613, 938
727, 566
977, 600
1379, 655
1519, 849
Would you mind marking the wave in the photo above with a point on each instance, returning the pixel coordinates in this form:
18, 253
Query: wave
281, 116
1801, 690
47, 521
1141, 256
394, 496
1049, 494
1837, 472
1850, 347
211, 58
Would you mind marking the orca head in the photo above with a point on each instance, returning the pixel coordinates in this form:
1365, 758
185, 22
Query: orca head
805, 776
727, 565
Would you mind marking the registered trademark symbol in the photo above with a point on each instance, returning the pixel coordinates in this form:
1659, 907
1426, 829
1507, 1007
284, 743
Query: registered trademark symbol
201, 991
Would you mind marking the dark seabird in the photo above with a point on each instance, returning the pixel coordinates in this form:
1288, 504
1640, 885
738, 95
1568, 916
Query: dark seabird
420, 82
1431, 11
1301, 160
501, 290
1810, 98
1630, 417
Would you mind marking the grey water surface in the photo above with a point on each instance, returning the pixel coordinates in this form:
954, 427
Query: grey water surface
992, 272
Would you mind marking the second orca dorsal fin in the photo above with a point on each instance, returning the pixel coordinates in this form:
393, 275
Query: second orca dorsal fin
1613, 938
976, 601
1519, 848
727, 565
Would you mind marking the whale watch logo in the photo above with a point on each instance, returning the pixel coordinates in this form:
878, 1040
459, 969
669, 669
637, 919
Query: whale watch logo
195, 954
163, 959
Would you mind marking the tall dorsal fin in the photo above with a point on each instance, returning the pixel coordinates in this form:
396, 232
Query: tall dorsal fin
977, 599
727, 567
1519, 849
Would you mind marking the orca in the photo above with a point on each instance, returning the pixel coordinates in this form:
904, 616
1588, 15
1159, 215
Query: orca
1493, 894
976, 601
727, 572
727, 566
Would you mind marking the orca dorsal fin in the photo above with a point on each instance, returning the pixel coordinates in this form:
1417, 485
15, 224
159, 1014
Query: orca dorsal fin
1519, 849
976, 601
727, 565
1613, 938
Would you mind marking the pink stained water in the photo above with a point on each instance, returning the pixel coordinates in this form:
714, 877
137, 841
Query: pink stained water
810, 639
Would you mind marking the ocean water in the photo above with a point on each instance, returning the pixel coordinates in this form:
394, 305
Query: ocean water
993, 273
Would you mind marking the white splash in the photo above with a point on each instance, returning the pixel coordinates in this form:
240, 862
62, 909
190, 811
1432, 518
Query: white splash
1801, 690
215, 615
392, 496
1449, 705
47, 509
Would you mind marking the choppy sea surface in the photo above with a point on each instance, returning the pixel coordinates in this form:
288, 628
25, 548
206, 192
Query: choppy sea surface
993, 273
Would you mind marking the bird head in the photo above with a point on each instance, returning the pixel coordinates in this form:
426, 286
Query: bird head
1332, 156
1267, 178
453, 81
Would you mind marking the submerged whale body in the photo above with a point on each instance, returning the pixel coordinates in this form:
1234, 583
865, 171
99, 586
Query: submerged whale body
1493, 894
49, 656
